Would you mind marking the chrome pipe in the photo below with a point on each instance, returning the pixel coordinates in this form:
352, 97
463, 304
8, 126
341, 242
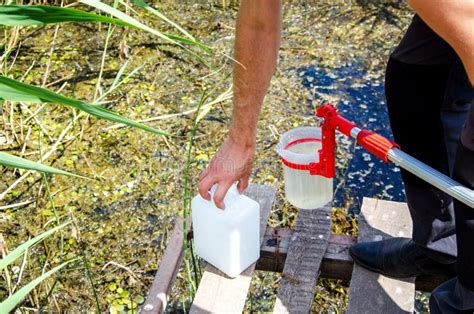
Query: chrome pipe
354, 132
432, 176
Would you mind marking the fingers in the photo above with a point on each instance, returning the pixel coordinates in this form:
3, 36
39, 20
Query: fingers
205, 185
243, 183
204, 173
222, 189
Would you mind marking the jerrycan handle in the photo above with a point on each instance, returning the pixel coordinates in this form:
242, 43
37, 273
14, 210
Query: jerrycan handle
230, 198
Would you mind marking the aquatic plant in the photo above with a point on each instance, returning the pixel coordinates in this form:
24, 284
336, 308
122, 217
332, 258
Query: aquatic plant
15, 91
12, 90
12, 301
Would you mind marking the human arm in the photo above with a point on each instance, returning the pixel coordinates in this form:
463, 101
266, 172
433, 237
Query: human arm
453, 20
257, 41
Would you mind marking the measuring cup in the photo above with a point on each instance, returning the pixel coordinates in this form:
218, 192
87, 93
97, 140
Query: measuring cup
298, 148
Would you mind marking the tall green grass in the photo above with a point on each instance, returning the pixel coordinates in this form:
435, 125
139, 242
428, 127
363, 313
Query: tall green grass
28, 15
12, 301
11, 161
15, 91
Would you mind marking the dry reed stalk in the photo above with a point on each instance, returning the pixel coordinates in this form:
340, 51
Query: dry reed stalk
43, 158
124, 268
21, 204
38, 122
102, 61
50, 54
221, 98
28, 70
12, 124
7, 139
4, 252
22, 267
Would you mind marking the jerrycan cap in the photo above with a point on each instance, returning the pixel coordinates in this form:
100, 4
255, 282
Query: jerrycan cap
230, 198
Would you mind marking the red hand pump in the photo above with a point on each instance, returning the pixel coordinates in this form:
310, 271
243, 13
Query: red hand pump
382, 148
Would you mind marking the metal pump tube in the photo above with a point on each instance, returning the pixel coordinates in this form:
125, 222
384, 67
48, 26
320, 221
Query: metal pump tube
432, 176
427, 173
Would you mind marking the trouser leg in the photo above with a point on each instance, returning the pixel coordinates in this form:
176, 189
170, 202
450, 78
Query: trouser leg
427, 107
464, 174
452, 297
457, 295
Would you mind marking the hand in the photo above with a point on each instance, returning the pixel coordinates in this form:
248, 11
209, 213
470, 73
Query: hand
233, 162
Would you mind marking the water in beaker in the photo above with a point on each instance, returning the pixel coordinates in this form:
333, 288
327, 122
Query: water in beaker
300, 147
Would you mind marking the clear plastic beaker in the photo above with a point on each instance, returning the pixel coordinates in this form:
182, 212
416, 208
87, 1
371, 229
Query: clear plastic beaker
298, 148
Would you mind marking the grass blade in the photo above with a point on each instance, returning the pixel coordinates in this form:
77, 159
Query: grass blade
137, 24
11, 302
207, 49
147, 7
119, 74
174, 39
118, 81
13, 90
22, 15
24, 246
12, 161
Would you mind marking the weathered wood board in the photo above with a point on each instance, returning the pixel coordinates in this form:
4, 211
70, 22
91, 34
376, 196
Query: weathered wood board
336, 264
162, 283
306, 249
218, 293
370, 292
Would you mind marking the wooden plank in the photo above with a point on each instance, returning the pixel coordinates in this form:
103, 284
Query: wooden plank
370, 292
218, 293
307, 246
274, 250
336, 264
165, 276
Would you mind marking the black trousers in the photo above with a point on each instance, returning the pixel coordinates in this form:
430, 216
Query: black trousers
429, 108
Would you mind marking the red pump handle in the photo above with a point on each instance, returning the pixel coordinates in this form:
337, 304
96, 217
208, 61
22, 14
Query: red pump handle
332, 121
376, 144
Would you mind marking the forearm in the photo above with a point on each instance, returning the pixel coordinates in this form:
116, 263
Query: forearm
453, 20
257, 42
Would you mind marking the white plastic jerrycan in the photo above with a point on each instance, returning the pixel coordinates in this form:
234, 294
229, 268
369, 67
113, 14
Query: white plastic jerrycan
229, 238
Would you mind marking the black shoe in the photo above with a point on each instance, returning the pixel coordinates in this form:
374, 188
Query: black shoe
398, 258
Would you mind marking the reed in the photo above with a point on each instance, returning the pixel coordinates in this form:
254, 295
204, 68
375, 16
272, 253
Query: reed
14, 91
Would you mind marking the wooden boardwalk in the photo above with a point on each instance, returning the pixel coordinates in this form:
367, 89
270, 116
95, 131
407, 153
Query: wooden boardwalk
370, 292
306, 249
302, 255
